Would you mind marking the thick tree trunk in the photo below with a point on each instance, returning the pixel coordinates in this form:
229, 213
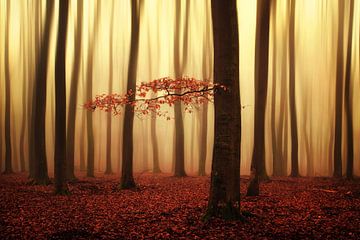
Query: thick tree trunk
127, 179
8, 157
38, 127
261, 82
60, 99
348, 102
224, 197
109, 117
293, 117
339, 93
89, 74
75, 75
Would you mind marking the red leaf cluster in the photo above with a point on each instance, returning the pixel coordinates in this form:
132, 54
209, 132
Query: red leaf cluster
166, 207
149, 97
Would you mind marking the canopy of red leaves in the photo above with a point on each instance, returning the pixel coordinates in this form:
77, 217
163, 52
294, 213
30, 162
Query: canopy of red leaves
149, 96
165, 207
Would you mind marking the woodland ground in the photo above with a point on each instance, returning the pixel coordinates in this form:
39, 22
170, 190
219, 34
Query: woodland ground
169, 207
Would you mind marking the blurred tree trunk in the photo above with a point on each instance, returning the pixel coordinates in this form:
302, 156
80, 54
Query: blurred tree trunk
31, 87
39, 105
89, 87
74, 82
292, 98
179, 66
339, 93
206, 61
24, 87
258, 168
127, 179
109, 116
348, 102
8, 157
276, 158
60, 99
224, 197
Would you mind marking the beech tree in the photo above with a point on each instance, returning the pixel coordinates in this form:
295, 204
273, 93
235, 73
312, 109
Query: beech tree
292, 101
74, 82
38, 122
60, 99
261, 81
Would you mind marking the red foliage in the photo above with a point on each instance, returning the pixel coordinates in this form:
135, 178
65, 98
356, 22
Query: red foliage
165, 207
149, 97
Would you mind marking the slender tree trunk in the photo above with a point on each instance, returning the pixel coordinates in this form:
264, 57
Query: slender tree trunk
127, 179
60, 99
348, 102
224, 197
38, 128
89, 86
179, 69
339, 93
261, 78
75, 75
276, 159
109, 117
292, 98
8, 157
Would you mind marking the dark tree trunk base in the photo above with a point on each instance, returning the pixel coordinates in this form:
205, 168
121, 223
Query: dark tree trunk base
253, 188
227, 212
157, 171
44, 182
62, 191
180, 174
71, 179
108, 172
128, 184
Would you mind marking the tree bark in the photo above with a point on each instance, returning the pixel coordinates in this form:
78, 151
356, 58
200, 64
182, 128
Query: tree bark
38, 127
339, 93
224, 197
60, 99
348, 102
292, 98
127, 179
75, 75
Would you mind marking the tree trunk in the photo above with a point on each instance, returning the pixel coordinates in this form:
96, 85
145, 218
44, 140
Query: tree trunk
339, 93
109, 116
8, 157
348, 102
60, 99
127, 179
276, 158
75, 75
293, 118
261, 78
89, 74
38, 127
179, 69
224, 197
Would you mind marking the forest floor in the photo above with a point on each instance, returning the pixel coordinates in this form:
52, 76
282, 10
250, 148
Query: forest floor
165, 207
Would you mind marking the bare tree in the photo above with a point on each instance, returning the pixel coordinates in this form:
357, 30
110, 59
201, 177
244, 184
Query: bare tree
224, 197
